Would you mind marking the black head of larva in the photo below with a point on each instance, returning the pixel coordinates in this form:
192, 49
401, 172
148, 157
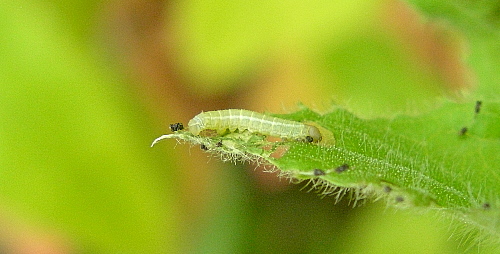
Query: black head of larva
176, 127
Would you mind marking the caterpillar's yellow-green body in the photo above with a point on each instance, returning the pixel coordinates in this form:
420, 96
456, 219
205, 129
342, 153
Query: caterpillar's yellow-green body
232, 119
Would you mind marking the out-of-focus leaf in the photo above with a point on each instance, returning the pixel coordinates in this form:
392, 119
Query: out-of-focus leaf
218, 43
73, 154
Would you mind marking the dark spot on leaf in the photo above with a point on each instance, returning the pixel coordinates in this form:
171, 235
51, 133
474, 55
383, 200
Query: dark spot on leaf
342, 168
486, 206
478, 106
319, 172
463, 131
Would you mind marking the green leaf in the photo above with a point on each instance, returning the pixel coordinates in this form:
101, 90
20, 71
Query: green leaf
421, 162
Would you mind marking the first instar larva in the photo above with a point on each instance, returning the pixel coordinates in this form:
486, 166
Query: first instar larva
232, 119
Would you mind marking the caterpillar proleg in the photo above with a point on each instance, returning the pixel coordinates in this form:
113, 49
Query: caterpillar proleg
233, 119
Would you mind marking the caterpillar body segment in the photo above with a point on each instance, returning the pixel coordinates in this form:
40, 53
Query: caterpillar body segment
233, 119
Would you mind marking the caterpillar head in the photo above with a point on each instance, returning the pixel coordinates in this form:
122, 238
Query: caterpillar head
195, 125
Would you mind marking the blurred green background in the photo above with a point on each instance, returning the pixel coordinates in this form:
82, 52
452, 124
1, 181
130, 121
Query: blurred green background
87, 85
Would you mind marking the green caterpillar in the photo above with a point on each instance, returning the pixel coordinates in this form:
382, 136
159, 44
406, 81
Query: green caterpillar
233, 119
